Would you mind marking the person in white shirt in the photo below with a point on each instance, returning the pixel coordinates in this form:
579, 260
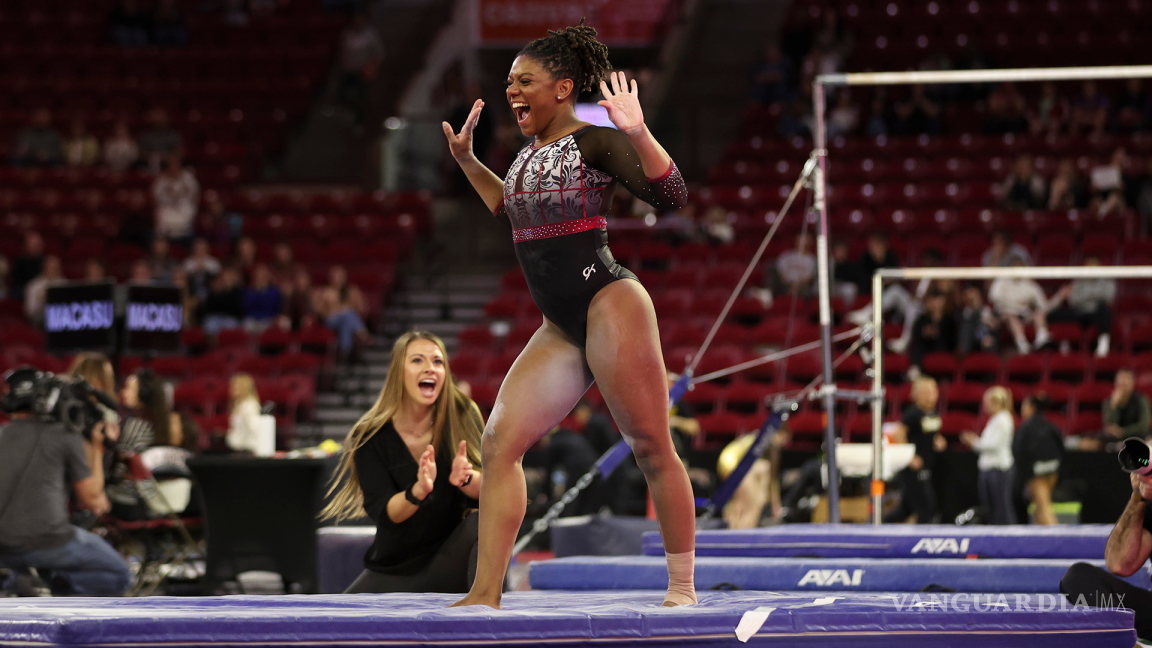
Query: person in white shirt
796, 268
995, 463
1015, 300
244, 425
176, 193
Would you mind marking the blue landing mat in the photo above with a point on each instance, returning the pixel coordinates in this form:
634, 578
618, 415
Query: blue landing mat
900, 541
568, 618
816, 574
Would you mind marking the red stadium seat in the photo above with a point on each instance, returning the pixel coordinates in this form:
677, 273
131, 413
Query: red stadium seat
953, 423
235, 337
173, 367
274, 340
980, 366
964, 397
1068, 368
745, 398
304, 364
257, 366
1025, 368
475, 337
1090, 397
940, 365
703, 398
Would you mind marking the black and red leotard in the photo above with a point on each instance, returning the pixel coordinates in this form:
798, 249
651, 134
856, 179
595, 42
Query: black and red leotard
555, 198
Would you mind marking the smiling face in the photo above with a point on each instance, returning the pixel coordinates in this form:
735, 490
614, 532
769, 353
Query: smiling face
535, 97
424, 372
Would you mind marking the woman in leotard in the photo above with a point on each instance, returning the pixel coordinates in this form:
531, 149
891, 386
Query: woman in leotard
596, 328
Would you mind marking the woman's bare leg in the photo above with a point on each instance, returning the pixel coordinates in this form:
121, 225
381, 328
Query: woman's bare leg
543, 385
623, 352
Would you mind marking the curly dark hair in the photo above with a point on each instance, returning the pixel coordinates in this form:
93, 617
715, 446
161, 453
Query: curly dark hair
572, 53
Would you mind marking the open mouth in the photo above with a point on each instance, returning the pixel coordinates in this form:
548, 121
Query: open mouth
521, 109
427, 388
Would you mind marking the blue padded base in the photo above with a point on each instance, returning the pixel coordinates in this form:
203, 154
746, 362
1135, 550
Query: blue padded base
900, 541
815, 574
538, 618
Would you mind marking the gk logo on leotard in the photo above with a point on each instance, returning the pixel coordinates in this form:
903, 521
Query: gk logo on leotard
588, 271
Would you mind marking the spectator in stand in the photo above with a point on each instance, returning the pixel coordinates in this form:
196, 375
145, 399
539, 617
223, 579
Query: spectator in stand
1036, 451
877, 255
160, 261
1133, 108
201, 267
1004, 252
38, 144
934, 330
844, 117
128, 25
920, 426
216, 223
1126, 413
843, 271
717, 229
262, 300
94, 270
36, 292
341, 306
1024, 188
244, 420
1068, 190
979, 328
120, 150
994, 445
796, 269
28, 265
176, 193
159, 141
1109, 190
1088, 303
1089, 111
1007, 111
81, 149
1017, 300
796, 120
361, 52
917, 114
298, 299
284, 264
224, 305
168, 27
244, 257
1052, 112
187, 298
878, 115
770, 76
140, 273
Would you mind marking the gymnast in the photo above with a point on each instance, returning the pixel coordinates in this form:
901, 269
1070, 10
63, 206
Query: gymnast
411, 463
596, 327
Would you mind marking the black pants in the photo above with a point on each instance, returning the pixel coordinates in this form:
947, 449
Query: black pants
1101, 589
450, 571
1100, 317
916, 496
995, 489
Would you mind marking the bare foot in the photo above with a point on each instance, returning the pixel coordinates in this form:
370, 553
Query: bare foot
493, 603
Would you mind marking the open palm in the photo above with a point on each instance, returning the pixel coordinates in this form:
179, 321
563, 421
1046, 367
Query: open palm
461, 144
622, 103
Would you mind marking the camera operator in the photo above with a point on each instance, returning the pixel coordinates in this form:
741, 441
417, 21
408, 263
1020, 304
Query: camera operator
1129, 545
39, 460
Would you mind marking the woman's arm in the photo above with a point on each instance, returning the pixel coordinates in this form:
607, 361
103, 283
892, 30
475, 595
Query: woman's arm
1129, 544
487, 184
631, 154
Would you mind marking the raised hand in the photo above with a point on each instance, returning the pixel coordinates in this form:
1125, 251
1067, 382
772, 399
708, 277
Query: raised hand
426, 475
461, 467
461, 144
622, 104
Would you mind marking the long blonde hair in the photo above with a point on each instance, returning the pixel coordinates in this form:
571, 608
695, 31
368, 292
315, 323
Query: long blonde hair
96, 369
455, 418
246, 385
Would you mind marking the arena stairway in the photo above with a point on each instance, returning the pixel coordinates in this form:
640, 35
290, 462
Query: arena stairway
443, 304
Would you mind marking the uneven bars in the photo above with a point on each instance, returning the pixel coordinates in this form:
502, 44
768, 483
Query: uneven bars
985, 76
1029, 272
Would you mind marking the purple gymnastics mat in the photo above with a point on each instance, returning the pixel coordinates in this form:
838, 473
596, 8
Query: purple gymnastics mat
1085, 541
571, 619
